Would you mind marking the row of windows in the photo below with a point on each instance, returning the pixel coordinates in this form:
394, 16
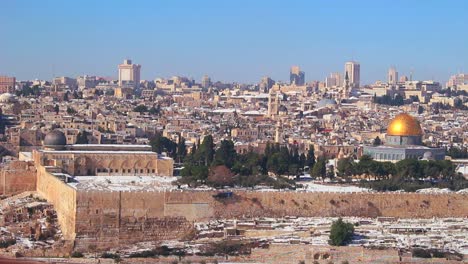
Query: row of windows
385, 156
108, 170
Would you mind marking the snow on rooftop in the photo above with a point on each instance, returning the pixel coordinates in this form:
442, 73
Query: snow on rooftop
111, 145
121, 152
123, 183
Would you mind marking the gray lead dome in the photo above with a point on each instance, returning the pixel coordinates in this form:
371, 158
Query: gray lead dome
55, 139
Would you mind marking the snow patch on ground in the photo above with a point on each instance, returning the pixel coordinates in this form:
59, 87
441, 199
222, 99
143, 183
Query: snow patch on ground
434, 190
315, 187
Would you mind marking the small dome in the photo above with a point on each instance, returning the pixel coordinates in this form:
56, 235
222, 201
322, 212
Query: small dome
427, 156
7, 98
55, 139
404, 125
325, 102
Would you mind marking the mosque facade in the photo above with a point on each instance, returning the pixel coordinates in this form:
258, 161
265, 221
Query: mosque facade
404, 141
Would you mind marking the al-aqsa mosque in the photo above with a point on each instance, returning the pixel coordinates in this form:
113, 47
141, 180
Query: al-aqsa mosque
404, 141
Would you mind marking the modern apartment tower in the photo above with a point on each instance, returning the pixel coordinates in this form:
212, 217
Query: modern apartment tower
265, 84
296, 76
7, 84
129, 74
353, 69
392, 77
333, 80
206, 82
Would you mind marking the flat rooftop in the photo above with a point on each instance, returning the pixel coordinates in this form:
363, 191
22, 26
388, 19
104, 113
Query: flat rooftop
121, 183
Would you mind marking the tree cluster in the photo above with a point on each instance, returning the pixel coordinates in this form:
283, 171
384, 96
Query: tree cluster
154, 110
82, 137
388, 100
160, 143
281, 160
407, 174
28, 91
223, 166
458, 153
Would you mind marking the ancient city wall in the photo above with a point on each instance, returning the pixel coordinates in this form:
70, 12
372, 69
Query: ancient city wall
109, 219
277, 204
62, 196
106, 219
17, 177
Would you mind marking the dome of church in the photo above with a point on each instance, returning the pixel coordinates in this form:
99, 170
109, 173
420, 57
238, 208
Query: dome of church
7, 98
404, 125
325, 102
55, 139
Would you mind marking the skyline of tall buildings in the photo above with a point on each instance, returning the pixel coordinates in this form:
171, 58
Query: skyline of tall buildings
129, 77
458, 79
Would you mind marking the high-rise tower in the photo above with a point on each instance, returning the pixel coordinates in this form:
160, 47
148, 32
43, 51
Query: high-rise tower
206, 82
296, 76
392, 77
129, 74
354, 73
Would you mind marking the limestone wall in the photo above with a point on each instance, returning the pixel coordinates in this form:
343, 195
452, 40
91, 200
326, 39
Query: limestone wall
17, 177
108, 219
62, 196
277, 204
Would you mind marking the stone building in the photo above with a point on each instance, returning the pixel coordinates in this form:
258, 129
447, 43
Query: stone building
100, 159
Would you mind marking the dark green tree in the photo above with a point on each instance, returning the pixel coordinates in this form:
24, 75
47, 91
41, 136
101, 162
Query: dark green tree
141, 109
377, 141
310, 161
420, 109
319, 169
181, 149
206, 150
82, 137
225, 154
341, 233
70, 110
65, 97
345, 167
161, 144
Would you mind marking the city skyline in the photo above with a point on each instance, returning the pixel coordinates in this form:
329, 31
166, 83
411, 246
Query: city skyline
194, 39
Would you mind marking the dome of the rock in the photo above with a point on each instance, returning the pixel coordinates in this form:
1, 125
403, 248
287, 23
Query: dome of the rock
404, 125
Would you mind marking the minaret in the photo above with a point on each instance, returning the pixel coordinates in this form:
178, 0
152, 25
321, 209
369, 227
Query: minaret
345, 92
273, 101
278, 132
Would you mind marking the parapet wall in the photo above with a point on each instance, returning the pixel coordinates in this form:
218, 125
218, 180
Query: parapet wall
62, 196
319, 204
110, 219
107, 219
17, 177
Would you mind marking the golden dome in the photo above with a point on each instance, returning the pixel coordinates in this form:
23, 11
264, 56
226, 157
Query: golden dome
404, 125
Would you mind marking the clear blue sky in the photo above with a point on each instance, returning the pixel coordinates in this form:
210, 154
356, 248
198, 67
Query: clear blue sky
233, 40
